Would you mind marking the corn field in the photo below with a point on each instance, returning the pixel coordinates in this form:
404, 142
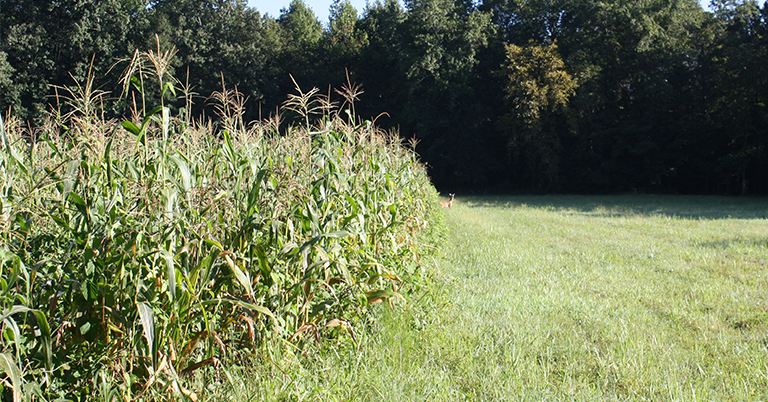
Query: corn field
136, 254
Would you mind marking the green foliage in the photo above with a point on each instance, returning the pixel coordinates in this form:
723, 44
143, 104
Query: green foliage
537, 93
216, 40
301, 25
437, 81
343, 40
301, 35
382, 24
51, 42
663, 101
141, 254
343, 21
536, 82
738, 109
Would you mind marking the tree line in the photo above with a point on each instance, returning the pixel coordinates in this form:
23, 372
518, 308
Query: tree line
580, 96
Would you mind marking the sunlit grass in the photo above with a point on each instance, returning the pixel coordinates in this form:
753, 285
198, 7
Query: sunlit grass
576, 298
626, 298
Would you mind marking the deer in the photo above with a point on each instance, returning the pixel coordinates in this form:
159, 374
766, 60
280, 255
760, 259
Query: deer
449, 203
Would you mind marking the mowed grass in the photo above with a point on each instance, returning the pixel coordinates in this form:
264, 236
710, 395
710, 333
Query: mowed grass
574, 298
626, 298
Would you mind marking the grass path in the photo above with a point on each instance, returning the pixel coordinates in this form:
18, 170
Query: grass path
625, 298
578, 298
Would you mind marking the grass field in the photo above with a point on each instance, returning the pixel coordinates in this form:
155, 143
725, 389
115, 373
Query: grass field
573, 298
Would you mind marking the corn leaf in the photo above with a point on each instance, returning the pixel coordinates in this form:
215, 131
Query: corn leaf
12, 370
132, 128
380, 295
241, 276
244, 304
147, 317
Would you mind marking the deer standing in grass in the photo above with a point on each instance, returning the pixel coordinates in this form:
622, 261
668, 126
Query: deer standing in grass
449, 203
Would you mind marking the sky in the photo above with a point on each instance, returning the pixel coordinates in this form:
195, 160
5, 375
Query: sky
320, 7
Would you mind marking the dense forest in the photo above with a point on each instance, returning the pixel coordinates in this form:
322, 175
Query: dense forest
580, 96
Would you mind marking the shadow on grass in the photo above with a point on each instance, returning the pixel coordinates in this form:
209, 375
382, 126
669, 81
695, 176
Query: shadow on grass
686, 207
749, 242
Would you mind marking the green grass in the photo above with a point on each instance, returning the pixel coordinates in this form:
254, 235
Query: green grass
574, 298
619, 298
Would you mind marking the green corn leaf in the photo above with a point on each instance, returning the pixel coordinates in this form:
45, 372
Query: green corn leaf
241, 303
11, 151
254, 194
166, 123
15, 310
229, 151
133, 171
10, 322
337, 234
147, 317
141, 132
85, 328
214, 243
136, 83
264, 266
11, 281
152, 113
188, 247
168, 86
241, 276
71, 176
3, 138
204, 268
170, 272
12, 370
333, 235
132, 128
45, 333
42, 323
311, 267
289, 248
377, 296
186, 176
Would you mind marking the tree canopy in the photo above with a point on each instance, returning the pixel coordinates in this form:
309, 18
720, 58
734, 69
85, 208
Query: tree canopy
500, 95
